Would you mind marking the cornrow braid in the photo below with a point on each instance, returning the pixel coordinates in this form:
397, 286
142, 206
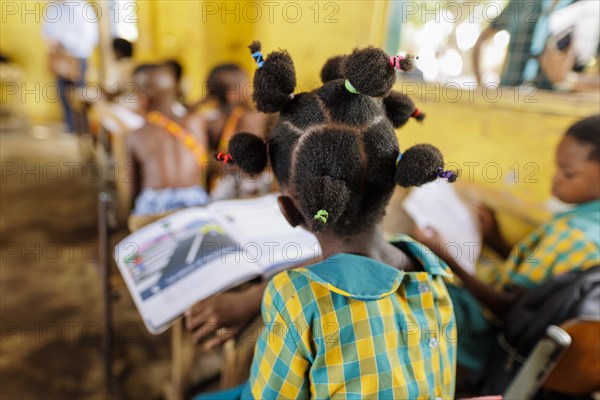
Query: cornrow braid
334, 149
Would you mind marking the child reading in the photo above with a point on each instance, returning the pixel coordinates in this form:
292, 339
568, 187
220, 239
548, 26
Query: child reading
373, 319
568, 242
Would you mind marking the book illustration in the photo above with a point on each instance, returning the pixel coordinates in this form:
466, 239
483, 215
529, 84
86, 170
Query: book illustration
171, 256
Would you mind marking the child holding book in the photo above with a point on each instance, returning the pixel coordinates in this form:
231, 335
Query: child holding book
568, 242
374, 318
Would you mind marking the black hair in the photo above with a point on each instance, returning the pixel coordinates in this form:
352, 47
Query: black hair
216, 87
332, 69
123, 47
333, 147
177, 69
144, 68
587, 131
400, 108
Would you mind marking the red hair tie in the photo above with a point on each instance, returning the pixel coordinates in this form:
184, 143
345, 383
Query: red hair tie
418, 115
224, 158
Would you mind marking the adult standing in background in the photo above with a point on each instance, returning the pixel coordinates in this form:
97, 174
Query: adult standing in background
71, 31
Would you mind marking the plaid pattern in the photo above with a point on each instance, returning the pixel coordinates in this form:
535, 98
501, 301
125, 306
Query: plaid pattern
567, 243
352, 327
520, 18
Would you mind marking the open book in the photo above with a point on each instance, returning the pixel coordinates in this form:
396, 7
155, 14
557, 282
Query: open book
192, 254
438, 206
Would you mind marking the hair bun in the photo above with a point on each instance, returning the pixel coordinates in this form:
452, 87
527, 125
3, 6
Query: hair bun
274, 80
323, 194
369, 71
399, 108
421, 164
332, 69
249, 152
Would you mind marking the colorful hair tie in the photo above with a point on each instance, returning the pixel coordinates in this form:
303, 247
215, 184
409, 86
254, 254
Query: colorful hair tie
444, 174
224, 158
258, 57
416, 113
402, 63
321, 215
399, 158
350, 88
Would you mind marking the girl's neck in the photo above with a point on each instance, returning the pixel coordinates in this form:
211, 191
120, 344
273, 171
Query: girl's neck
370, 243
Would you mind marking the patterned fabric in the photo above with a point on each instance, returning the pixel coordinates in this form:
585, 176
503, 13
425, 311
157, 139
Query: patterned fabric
353, 327
569, 242
158, 201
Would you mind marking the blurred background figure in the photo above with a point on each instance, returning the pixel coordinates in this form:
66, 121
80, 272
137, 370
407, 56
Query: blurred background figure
545, 36
71, 37
228, 109
168, 154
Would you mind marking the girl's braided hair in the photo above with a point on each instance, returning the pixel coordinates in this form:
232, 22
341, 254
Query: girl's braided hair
335, 147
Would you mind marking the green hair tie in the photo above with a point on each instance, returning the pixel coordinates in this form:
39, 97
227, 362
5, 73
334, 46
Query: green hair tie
350, 88
322, 215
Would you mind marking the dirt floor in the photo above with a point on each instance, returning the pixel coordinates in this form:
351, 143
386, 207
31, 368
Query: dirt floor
50, 286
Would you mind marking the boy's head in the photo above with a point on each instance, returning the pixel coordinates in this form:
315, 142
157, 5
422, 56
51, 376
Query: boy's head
334, 150
226, 83
155, 83
123, 48
577, 177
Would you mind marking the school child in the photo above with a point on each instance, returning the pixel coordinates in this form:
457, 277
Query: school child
373, 319
168, 154
570, 241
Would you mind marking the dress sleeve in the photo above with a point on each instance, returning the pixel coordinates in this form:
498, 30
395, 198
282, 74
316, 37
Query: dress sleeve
280, 365
558, 250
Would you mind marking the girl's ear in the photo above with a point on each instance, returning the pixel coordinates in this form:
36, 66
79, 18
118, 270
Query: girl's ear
289, 211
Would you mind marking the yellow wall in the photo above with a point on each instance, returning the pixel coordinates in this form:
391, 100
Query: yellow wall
504, 148
21, 40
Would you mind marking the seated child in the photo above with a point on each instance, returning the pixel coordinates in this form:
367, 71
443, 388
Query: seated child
169, 153
570, 241
373, 319
227, 110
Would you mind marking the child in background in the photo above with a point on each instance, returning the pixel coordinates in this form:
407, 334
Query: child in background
569, 242
227, 110
166, 155
373, 319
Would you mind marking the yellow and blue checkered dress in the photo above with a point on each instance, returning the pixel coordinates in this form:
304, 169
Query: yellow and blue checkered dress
352, 327
569, 242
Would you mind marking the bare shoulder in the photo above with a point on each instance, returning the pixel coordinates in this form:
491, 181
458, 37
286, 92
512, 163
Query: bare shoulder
196, 124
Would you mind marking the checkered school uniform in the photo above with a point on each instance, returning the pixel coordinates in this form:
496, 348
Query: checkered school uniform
569, 242
352, 327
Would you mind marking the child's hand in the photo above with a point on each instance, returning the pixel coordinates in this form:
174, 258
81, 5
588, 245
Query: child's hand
428, 236
222, 316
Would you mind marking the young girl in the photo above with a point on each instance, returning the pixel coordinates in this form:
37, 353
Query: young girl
373, 319
568, 242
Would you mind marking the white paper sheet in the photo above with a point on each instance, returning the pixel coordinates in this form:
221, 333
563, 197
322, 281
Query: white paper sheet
437, 205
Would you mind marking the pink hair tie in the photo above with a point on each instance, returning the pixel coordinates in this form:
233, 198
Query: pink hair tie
402, 63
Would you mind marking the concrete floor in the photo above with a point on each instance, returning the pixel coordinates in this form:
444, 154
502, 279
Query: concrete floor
50, 287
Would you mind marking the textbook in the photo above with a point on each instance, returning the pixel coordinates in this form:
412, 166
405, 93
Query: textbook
172, 263
438, 205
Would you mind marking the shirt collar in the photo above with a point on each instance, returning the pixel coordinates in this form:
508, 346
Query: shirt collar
363, 278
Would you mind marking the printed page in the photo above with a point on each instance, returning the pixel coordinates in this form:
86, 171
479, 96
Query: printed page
265, 236
172, 263
437, 205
